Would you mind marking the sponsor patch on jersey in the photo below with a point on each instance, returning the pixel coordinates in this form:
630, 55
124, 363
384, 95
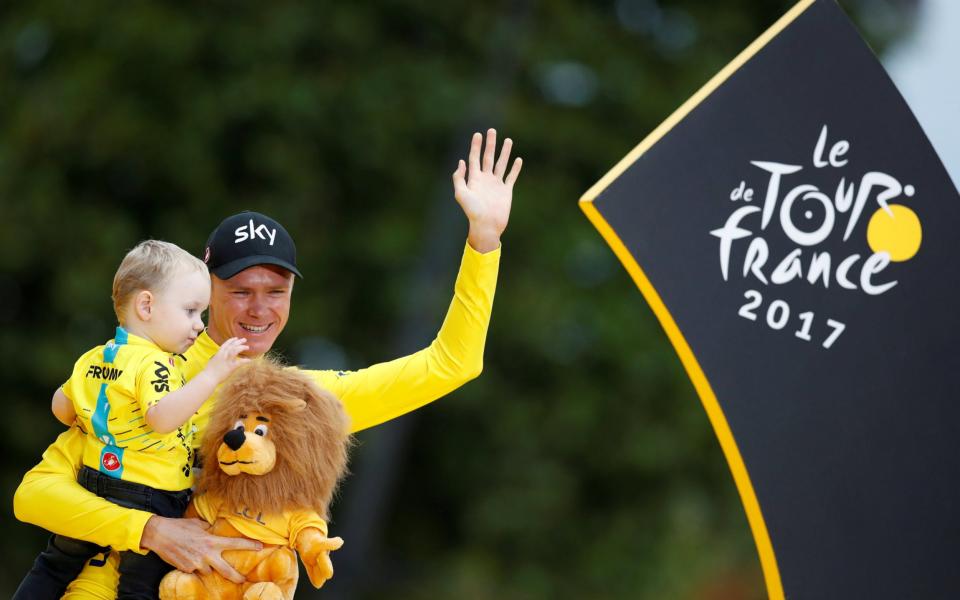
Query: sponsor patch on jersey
110, 461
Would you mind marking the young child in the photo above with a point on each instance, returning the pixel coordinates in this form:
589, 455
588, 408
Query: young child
131, 401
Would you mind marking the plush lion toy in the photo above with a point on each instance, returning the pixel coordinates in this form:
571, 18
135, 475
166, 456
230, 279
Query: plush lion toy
274, 451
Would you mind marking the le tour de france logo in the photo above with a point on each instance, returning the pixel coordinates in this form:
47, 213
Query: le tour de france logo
808, 217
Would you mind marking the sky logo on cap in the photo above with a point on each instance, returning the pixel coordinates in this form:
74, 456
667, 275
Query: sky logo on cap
250, 232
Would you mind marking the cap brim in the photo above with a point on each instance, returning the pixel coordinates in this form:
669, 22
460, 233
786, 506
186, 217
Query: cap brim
228, 270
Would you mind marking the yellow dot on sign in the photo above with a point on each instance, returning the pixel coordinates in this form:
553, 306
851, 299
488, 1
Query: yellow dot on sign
898, 234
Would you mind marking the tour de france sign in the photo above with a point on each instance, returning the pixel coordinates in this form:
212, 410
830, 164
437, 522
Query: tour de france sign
799, 240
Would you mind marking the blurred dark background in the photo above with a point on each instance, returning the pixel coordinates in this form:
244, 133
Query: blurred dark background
580, 464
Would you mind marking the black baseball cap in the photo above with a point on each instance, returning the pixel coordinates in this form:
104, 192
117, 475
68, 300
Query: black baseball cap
248, 239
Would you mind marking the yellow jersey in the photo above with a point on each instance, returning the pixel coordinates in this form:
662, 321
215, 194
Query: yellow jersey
112, 387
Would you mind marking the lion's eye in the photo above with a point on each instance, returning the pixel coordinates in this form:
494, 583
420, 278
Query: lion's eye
261, 430
238, 425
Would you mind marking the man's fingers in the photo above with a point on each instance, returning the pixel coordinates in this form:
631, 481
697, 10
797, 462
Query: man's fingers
474, 156
231, 543
491, 150
504, 159
221, 566
514, 172
181, 562
459, 183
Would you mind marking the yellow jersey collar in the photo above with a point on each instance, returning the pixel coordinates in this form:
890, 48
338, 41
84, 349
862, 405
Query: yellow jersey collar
122, 336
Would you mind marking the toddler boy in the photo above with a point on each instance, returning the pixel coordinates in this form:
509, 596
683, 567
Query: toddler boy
129, 398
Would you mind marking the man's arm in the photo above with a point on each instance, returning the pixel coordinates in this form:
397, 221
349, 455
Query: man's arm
49, 496
388, 390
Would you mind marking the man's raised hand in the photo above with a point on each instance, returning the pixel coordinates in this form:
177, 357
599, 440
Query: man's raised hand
485, 190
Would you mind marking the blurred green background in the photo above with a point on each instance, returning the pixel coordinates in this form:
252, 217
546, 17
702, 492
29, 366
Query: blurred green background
580, 464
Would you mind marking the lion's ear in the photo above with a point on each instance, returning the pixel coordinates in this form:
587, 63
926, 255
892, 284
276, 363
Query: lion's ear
298, 405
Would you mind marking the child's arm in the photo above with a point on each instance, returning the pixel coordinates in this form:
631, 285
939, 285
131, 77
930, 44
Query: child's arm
63, 408
176, 408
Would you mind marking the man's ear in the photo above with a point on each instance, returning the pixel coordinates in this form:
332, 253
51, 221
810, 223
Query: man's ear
143, 305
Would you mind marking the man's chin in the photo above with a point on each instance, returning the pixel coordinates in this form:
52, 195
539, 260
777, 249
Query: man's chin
258, 347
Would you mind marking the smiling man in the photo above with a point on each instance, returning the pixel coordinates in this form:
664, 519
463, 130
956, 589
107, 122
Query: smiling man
252, 260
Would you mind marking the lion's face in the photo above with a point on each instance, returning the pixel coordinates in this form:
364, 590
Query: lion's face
248, 447
280, 442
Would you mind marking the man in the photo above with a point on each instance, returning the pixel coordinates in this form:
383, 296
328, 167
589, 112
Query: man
253, 264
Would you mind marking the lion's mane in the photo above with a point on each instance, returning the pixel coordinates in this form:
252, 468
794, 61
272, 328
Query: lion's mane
312, 441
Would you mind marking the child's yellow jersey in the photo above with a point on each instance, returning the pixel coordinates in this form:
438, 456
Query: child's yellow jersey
112, 387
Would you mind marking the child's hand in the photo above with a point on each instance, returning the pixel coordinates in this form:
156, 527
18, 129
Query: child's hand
227, 358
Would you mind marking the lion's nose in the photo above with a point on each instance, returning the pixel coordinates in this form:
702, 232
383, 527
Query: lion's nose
234, 439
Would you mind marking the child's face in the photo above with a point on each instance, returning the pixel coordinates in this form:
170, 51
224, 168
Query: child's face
175, 321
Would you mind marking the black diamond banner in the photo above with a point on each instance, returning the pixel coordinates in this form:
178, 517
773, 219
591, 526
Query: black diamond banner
797, 236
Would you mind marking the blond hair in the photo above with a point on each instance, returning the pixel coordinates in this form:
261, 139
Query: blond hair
149, 266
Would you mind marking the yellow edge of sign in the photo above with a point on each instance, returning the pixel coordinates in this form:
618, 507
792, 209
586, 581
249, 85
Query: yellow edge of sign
718, 420
694, 100
741, 478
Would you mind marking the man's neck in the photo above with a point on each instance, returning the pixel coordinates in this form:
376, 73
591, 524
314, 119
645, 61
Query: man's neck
214, 334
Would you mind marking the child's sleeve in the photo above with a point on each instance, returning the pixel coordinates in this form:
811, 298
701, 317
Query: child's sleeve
157, 376
73, 386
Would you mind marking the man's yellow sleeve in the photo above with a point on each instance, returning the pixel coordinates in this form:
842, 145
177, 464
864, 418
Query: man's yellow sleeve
50, 497
388, 390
